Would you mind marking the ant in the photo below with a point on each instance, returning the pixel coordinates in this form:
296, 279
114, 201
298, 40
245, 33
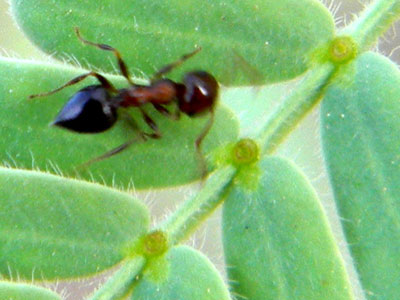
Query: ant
93, 109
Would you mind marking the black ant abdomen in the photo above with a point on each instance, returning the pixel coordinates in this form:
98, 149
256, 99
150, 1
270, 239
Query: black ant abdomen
88, 111
198, 93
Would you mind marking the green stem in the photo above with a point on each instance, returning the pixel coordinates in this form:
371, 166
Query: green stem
121, 281
303, 98
187, 217
373, 22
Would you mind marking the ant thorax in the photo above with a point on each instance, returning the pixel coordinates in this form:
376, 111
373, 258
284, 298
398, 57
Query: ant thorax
162, 91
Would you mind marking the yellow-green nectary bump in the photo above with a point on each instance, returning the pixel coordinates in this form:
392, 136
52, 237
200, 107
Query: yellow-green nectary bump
155, 243
246, 151
342, 50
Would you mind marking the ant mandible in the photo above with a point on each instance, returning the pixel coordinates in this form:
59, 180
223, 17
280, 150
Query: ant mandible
93, 109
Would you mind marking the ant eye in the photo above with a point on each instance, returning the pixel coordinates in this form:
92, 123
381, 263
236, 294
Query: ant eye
200, 93
88, 111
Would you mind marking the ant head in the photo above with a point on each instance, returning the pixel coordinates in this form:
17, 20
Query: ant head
88, 111
198, 94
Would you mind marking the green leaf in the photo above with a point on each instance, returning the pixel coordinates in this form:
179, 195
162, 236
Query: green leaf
277, 241
275, 37
361, 139
22, 291
53, 227
183, 274
27, 141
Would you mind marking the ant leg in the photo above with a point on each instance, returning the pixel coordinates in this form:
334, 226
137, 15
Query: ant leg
168, 68
140, 137
199, 140
165, 112
110, 153
103, 81
122, 66
149, 121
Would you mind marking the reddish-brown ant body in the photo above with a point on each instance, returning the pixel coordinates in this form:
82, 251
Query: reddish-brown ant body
94, 108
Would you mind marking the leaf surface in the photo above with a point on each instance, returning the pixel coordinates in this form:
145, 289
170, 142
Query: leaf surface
277, 240
361, 139
53, 227
239, 38
22, 291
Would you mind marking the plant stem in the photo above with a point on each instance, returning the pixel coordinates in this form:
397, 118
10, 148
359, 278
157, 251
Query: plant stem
373, 22
289, 113
121, 281
187, 217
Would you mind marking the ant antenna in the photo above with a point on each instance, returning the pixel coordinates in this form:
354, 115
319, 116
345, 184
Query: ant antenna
168, 68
